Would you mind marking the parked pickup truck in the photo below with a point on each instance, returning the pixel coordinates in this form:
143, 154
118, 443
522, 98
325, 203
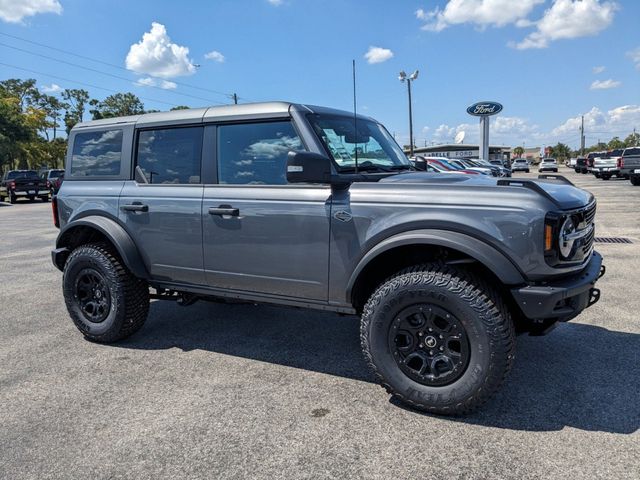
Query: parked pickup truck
23, 183
307, 206
629, 161
604, 166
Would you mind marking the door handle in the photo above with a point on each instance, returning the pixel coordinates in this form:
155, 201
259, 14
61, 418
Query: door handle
224, 210
135, 207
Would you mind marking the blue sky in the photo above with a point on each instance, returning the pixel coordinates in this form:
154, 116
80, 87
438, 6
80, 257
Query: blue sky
547, 62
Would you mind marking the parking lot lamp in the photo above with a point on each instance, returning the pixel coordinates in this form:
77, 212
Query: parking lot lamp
409, 78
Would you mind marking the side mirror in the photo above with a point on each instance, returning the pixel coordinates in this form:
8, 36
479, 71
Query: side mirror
308, 167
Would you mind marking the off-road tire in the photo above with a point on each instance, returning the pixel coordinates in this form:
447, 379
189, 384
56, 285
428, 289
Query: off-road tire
635, 180
129, 296
476, 305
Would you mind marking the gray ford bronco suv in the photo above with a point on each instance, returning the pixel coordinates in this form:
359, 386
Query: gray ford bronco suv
312, 207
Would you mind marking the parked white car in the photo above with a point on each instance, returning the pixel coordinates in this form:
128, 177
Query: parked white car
548, 165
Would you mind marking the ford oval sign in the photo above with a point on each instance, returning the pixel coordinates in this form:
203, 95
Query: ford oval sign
482, 109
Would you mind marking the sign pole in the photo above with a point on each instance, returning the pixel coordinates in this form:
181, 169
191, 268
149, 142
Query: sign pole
484, 110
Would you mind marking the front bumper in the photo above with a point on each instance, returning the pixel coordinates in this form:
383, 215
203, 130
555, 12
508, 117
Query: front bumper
562, 299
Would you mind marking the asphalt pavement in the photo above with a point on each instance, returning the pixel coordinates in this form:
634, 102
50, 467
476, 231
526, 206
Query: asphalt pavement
246, 391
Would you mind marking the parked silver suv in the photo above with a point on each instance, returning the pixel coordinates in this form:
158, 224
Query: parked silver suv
312, 207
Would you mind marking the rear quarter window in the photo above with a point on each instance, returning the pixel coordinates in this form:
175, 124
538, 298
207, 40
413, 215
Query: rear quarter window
97, 153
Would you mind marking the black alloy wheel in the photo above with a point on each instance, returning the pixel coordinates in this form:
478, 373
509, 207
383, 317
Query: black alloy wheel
92, 295
429, 344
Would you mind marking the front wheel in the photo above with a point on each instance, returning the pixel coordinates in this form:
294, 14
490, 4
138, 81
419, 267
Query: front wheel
105, 301
438, 339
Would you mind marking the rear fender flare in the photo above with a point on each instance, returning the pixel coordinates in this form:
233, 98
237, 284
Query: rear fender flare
115, 233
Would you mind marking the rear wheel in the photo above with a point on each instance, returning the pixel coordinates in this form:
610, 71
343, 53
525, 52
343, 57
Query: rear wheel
635, 180
12, 198
438, 339
105, 301
606, 177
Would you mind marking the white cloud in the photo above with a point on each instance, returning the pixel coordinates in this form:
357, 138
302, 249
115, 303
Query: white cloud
569, 19
214, 55
634, 55
504, 130
13, 11
605, 84
152, 82
481, 13
599, 69
378, 55
613, 122
156, 55
53, 88
275, 3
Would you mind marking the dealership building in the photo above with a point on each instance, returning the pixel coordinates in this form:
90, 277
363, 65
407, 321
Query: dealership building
459, 150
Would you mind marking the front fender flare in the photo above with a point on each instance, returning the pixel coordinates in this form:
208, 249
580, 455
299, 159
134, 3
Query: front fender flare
115, 233
487, 255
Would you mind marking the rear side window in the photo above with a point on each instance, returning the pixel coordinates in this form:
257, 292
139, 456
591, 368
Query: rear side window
97, 154
631, 151
170, 155
255, 153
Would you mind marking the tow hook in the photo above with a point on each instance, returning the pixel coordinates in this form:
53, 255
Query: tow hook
603, 269
594, 296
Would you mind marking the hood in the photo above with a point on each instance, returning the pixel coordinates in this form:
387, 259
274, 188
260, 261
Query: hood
560, 191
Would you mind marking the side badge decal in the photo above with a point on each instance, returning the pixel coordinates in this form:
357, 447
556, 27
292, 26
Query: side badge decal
342, 216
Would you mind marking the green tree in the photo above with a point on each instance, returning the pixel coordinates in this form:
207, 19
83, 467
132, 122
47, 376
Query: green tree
180, 107
632, 140
24, 91
76, 100
117, 105
614, 143
561, 151
14, 130
518, 151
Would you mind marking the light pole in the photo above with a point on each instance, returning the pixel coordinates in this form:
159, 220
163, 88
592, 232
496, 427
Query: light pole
410, 78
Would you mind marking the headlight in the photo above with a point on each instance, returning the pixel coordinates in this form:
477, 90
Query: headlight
566, 239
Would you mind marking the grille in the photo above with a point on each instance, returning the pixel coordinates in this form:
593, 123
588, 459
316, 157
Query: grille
612, 240
590, 214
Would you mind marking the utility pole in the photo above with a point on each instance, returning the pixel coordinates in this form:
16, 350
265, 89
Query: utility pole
235, 99
582, 136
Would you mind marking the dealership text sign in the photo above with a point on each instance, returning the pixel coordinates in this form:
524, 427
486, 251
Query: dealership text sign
482, 109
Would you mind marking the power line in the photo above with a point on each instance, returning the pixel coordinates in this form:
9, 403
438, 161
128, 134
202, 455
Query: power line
82, 83
104, 73
113, 65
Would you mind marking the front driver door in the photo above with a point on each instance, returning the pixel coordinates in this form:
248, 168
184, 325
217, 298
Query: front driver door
262, 235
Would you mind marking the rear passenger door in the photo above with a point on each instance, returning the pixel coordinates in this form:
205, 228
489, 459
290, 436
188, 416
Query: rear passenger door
261, 234
161, 206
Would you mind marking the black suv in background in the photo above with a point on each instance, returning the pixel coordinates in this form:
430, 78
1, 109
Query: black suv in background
581, 165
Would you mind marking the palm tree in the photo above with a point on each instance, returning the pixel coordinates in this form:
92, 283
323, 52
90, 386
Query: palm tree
518, 151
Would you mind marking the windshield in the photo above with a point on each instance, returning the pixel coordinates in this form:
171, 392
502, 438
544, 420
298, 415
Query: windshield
374, 147
22, 174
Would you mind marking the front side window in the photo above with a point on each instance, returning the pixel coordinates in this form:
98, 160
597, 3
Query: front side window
170, 155
364, 141
96, 153
255, 153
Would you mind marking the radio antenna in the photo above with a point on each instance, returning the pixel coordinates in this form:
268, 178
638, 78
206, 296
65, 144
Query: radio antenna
355, 117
